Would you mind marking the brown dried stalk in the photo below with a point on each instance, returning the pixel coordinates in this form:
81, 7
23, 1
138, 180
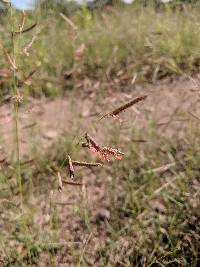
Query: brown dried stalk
86, 164
60, 185
10, 60
74, 27
29, 161
194, 116
21, 25
63, 203
29, 125
139, 140
71, 168
27, 29
71, 183
161, 169
125, 106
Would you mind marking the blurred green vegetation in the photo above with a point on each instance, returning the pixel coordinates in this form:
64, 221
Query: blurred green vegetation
120, 42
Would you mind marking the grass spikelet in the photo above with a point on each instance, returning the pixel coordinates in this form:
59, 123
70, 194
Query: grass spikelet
124, 106
10, 60
104, 153
86, 164
71, 168
60, 184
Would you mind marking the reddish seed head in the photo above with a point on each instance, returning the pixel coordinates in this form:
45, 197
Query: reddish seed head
107, 153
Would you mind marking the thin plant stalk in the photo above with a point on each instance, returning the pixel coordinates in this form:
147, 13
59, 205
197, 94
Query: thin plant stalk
15, 42
16, 120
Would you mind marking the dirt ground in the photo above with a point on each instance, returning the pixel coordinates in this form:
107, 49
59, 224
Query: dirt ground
45, 120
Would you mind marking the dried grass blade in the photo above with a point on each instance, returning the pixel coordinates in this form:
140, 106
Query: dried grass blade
63, 203
27, 162
125, 106
194, 116
69, 21
72, 183
60, 184
29, 125
139, 140
161, 169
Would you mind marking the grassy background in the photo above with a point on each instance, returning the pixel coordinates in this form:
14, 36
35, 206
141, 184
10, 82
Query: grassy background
133, 213
120, 42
